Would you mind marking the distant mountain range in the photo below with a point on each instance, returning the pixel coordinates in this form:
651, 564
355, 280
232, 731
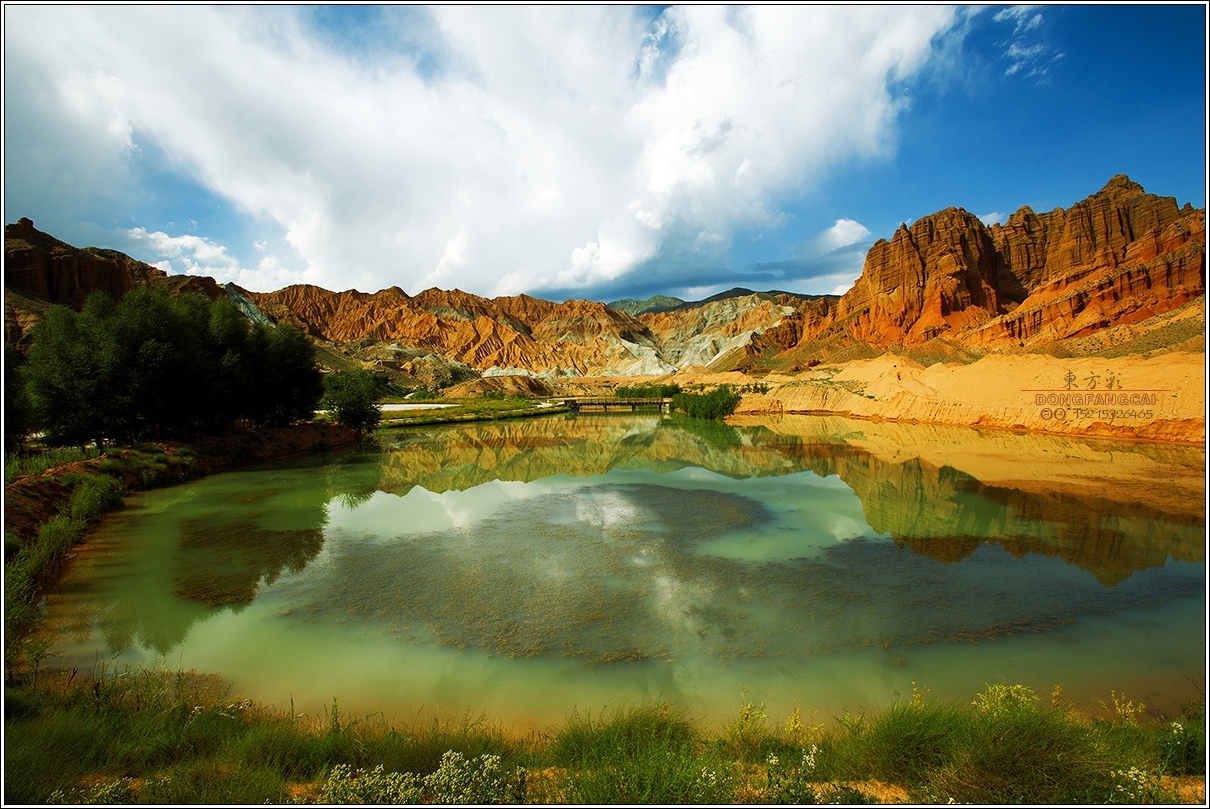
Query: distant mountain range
948, 287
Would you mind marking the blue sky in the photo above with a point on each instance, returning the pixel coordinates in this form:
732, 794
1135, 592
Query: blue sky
578, 152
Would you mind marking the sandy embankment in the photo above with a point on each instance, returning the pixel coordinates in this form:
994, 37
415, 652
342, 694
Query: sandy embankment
1162, 398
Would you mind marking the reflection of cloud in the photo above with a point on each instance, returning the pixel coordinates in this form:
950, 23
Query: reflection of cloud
606, 510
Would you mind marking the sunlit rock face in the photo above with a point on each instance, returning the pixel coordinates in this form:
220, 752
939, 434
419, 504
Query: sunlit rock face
946, 285
1120, 256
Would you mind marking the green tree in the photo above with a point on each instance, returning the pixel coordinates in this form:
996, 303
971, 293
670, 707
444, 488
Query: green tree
154, 364
717, 404
65, 374
352, 398
18, 413
290, 383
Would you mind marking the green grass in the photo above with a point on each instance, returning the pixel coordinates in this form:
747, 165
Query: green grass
16, 466
176, 737
645, 755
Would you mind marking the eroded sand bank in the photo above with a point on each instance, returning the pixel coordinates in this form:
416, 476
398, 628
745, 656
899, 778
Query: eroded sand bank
1161, 398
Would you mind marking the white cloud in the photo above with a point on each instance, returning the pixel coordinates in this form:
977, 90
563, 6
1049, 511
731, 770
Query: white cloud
548, 147
993, 218
1024, 18
844, 233
196, 255
1025, 55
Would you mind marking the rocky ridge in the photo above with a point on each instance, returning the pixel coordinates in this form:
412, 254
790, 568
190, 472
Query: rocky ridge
945, 287
1119, 256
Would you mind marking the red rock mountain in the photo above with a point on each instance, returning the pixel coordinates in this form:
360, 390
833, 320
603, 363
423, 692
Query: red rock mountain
1117, 257
1120, 256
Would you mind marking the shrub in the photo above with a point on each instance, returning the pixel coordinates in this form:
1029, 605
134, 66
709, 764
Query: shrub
717, 404
93, 495
352, 399
346, 785
1017, 753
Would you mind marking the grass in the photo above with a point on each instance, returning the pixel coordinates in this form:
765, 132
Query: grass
181, 738
16, 466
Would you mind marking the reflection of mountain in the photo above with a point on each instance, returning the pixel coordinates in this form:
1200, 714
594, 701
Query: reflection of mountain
1088, 508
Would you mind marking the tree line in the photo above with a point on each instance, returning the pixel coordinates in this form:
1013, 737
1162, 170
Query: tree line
155, 365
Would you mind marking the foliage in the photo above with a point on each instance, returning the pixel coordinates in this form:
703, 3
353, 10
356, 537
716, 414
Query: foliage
352, 398
179, 737
717, 404
153, 364
16, 466
93, 495
349, 786
647, 391
24, 576
18, 412
647, 755
481, 780
1183, 742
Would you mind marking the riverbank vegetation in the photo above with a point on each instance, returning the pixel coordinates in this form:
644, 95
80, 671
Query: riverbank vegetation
153, 365
717, 404
111, 736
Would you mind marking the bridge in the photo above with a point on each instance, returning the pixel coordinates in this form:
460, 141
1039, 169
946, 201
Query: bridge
606, 402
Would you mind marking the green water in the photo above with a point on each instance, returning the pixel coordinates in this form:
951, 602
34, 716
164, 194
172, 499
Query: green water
528, 569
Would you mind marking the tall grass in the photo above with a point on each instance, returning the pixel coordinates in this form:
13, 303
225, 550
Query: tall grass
642, 755
181, 738
16, 466
31, 567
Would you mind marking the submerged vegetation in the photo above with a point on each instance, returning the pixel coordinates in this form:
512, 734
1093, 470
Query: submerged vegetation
177, 738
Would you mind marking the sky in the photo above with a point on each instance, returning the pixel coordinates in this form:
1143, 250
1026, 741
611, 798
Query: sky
595, 152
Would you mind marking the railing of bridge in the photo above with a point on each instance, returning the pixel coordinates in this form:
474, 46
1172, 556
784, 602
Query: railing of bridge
607, 403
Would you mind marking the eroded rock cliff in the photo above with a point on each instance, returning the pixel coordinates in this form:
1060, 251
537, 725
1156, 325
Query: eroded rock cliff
947, 287
1120, 256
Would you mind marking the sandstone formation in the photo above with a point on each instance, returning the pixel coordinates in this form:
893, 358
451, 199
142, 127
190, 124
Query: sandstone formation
1120, 273
44, 267
1162, 398
1119, 256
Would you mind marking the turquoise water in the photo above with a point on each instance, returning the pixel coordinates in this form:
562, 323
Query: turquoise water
528, 569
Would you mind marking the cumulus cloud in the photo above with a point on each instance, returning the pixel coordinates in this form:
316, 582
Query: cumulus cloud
497, 149
197, 255
844, 233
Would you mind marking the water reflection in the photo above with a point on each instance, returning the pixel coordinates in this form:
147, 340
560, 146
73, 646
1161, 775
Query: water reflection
625, 555
1109, 507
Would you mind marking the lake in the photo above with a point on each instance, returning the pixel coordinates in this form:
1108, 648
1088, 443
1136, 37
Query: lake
527, 569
